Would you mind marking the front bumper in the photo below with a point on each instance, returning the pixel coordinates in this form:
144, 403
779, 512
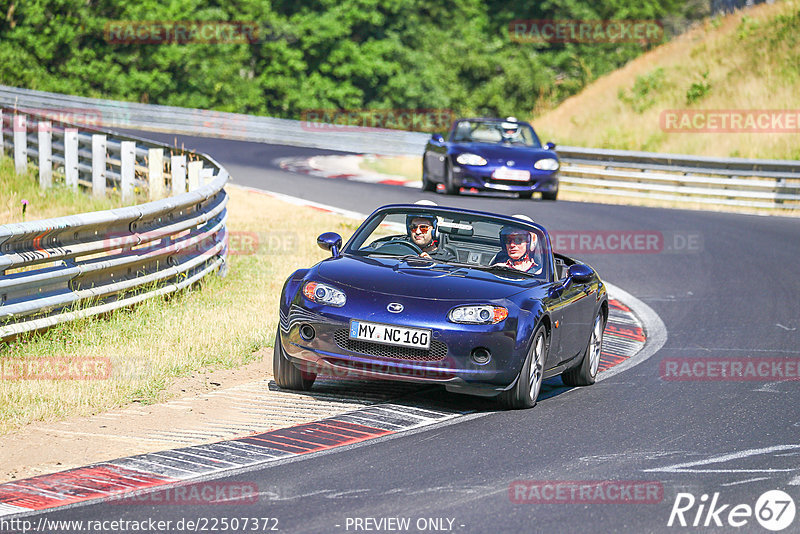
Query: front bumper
448, 362
481, 178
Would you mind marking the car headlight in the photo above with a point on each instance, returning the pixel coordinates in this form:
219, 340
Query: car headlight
547, 164
324, 294
478, 314
470, 159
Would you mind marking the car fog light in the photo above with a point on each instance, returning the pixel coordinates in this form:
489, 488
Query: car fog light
481, 355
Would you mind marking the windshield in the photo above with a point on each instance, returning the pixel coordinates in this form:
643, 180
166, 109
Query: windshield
442, 236
498, 132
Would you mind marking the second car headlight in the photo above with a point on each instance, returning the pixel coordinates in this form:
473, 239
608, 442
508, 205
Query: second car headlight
478, 314
547, 164
324, 294
470, 159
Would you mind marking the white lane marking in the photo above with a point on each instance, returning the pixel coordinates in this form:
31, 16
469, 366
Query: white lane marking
771, 387
687, 467
786, 327
744, 481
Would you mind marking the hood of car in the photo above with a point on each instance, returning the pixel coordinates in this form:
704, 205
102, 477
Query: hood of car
421, 279
498, 154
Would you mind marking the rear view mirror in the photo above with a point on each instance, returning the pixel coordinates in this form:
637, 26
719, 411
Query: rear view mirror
549, 146
437, 138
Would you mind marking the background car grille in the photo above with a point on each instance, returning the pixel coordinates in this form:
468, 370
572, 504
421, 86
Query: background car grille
437, 352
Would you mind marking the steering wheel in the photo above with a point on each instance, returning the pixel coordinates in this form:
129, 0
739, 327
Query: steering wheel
400, 243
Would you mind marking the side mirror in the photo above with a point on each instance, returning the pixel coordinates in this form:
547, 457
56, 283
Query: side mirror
437, 138
580, 273
330, 241
549, 146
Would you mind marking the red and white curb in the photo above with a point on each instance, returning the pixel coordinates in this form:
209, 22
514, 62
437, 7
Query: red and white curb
343, 168
633, 333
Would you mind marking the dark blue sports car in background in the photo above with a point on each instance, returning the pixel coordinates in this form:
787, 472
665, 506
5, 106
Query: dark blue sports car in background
474, 301
491, 155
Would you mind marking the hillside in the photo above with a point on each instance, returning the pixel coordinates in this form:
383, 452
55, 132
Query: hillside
745, 62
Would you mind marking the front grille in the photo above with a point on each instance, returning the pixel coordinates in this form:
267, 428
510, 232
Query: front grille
437, 352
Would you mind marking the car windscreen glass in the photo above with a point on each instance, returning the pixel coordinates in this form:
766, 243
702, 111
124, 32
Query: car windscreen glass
455, 238
496, 132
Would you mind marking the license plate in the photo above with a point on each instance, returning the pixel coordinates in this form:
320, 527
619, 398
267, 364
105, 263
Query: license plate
390, 335
504, 173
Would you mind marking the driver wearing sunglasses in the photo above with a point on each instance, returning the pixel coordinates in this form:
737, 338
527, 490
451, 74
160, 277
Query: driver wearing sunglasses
519, 246
422, 232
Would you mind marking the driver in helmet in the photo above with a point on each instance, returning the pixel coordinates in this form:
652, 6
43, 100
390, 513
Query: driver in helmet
519, 245
422, 232
510, 130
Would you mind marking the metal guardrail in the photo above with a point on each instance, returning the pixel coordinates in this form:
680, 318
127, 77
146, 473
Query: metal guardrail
672, 177
757, 183
62, 269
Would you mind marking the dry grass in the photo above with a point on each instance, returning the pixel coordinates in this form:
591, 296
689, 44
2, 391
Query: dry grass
752, 61
43, 204
219, 327
409, 167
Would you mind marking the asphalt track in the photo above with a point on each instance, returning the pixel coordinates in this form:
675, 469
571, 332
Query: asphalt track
736, 295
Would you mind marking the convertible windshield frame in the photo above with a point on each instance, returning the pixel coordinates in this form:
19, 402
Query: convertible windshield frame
369, 226
524, 126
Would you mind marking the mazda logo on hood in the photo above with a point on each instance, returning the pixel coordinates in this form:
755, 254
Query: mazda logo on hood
395, 307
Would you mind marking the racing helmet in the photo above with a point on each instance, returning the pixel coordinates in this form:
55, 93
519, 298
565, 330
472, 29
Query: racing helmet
411, 216
507, 231
510, 126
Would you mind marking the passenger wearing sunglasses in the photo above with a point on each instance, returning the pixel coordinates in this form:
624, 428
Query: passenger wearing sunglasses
519, 246
422, 232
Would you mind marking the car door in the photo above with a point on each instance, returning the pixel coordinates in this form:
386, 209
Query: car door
577, 308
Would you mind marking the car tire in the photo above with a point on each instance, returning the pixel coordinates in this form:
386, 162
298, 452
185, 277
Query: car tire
585, 373
525, 195
427, 185
550, 196
529, 383
449, 187
287, 376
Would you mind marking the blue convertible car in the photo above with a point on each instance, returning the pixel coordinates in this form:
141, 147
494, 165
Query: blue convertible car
491, 155
474, 301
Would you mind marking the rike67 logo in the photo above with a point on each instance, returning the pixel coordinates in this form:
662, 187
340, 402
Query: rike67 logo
774, 510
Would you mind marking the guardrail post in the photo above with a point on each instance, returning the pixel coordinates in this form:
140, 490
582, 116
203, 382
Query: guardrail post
20, 143
71, 157
127, 153
178, 167
2, 136
45, 154
98, 165
194, 174
155, 164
